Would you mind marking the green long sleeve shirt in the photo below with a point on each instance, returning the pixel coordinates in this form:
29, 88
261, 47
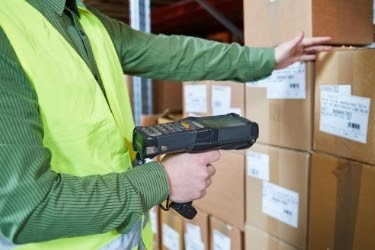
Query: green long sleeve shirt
38, 204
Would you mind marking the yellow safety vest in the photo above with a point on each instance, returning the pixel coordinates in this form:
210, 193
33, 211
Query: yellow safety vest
85, 135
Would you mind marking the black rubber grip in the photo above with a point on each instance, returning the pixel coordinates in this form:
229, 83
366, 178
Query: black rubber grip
185, 209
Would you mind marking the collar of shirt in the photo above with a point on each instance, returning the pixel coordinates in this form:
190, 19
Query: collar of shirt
58, 6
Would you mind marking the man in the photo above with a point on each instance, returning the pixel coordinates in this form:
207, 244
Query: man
65, 131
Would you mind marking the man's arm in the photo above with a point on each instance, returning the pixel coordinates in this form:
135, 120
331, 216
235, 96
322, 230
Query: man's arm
186, 58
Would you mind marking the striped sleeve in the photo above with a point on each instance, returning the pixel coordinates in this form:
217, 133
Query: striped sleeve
185, 58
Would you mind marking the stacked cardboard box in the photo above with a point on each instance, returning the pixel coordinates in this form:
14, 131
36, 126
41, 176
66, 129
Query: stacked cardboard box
178, 233
225, 198
278, 167
277, 193
258, 239
155, 225
205, 98
343, 162
224, 236
341, 204
328, 132
344, 119
269, 23
263, 193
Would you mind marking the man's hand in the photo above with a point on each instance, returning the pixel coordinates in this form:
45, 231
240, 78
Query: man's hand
300, 49
189, 174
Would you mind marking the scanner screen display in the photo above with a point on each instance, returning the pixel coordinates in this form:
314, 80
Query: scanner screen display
220, 121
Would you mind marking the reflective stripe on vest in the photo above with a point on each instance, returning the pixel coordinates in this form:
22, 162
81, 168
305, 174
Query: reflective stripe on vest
75, 114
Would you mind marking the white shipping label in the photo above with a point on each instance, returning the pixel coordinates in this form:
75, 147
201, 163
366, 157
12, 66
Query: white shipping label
258, 84
288, 83
193, 230
344, 115
221, 99
171, 238
193, 239
280, 203
195, 98
258, 165
154, 220
342, 89
192, 244
235, 110
221, 241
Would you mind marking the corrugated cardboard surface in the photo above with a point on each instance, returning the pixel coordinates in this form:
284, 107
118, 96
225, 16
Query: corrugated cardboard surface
354, 67
167, 95
342, 201
195, 97
176, 222
236, 99
269, 23
283, 122
155, 222
256, 239
225, 198
201, 220
288, 169
234, 234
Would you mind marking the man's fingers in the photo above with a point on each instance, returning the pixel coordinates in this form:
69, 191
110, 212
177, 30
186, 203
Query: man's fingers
298, 39
311, 41
315, 49
211, 170
208, 182
212, 156
306, 57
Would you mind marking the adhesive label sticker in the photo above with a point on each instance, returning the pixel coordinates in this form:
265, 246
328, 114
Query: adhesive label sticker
344, 115
258, 165
280, 203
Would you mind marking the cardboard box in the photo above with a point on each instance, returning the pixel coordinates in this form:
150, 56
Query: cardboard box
196, 232
256, 239
225, 198
163, 99
344, 120
167, 115
196, 98
282, 105
224, 236
271, 22
342, 200
155, 224
224, 36
277, 192
172, 230
213, 98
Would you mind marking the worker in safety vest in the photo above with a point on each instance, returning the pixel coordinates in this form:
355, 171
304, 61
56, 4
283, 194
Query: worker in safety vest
67, 180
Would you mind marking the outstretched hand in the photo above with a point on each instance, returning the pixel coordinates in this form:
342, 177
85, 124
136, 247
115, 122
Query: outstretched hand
300, 49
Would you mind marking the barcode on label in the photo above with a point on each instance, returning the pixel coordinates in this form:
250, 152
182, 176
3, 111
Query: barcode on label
354, 125
254, 172
294, 85
217, 104
288, 212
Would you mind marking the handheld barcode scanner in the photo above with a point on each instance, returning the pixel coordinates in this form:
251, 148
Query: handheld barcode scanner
194, 135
